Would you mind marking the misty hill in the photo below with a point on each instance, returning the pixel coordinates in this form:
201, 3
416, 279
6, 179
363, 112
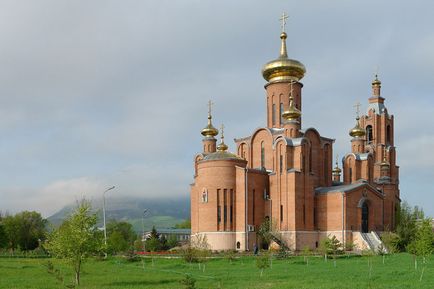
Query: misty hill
161, 212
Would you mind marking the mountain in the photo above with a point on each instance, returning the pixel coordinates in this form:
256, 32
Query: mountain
160, 212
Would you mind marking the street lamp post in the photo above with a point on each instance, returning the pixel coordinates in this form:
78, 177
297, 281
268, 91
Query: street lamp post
143, 223
103, 213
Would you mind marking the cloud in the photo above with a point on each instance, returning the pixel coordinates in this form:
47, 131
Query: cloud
102, 92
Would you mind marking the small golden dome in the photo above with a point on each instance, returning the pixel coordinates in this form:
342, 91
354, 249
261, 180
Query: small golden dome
336, 170
222, 147
376, 81
384, 165
283, 68
209, 130
292, 113
357, 131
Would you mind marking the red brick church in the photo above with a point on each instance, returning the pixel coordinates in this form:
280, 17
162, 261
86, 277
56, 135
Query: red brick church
284, 173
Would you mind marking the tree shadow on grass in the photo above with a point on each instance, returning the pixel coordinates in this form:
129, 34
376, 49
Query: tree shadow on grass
142, 282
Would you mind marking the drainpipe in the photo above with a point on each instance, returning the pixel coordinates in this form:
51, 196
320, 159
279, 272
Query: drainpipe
246, 192
343, 221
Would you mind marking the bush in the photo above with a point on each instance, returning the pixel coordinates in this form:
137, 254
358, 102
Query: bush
188, 282
189, 254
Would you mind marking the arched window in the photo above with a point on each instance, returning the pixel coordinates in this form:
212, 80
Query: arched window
369, 137
238, 245
262, 155
280, 113
273, 114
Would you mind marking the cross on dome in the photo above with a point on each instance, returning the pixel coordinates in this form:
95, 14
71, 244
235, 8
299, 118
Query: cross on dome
210, 104
282, 19
357, 106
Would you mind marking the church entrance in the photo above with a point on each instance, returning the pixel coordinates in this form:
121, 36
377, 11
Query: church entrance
365, 217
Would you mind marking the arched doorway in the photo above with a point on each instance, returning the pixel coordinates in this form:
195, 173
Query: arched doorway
365, 218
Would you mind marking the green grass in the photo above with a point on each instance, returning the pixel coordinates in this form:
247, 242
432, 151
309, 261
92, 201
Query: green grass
397, 272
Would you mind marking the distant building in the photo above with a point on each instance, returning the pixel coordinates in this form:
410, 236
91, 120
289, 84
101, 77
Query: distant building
181, 235
285, 174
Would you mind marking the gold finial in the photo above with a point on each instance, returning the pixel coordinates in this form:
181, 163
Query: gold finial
222, 146
376, 81
209, 130
336, 171
283, 21
384, 164
292, 113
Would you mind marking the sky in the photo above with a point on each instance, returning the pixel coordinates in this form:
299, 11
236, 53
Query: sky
101, 93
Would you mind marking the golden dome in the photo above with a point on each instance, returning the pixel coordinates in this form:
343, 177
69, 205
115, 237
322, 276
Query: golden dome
283, 68
209, 130
292, 113
357, 131
376, 81
336, 170
222, 147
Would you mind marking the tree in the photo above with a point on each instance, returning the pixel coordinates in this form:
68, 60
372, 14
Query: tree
121, 236
77, 238
263, 262
25, 230
422, 244
172, 242
265, 232
406, 226
330, 246
153, 243
391, 241
3, 237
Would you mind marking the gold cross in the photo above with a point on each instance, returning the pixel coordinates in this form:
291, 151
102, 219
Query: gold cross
283, 21
210, 104
357, 106
222, 129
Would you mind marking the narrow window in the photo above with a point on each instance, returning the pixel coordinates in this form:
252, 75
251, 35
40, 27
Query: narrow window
280, 113
281, 213
253, 207
369, 137
281, 164
219, 217
310, 159
262, 155
238, 245
388, 135
231, 208
273, 114
225, 219
351, 175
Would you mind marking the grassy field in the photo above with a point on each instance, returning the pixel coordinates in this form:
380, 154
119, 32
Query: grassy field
397, 272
